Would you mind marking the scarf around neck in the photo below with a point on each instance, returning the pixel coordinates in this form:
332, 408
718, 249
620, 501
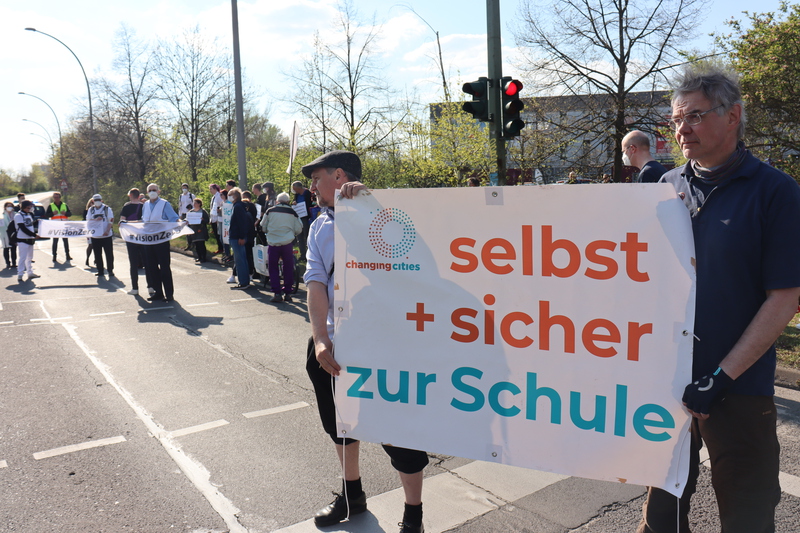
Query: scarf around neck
718, 174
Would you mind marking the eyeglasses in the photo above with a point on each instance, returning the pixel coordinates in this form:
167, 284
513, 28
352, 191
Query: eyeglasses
692, 119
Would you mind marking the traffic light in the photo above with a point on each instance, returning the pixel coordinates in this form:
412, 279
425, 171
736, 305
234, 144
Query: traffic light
479, 106
511, 107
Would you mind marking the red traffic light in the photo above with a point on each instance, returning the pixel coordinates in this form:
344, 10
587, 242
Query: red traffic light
512, 87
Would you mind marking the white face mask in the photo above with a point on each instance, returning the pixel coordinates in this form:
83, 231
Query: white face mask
185, 191
98, 203
153, 195
10, 209
626, 160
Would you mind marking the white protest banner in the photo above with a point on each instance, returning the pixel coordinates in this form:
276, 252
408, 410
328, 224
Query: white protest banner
227, 212
64, 229
545, 327
152, 232
300, 209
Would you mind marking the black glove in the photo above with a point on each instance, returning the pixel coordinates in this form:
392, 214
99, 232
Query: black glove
704, 393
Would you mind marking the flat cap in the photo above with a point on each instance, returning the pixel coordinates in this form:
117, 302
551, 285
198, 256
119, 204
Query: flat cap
347, 161
97, 197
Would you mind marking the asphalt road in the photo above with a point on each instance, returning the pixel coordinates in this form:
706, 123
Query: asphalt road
117, 414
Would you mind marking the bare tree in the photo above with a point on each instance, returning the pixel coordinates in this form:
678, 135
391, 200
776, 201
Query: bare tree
342, 93
127, 111
192, 79
603, 50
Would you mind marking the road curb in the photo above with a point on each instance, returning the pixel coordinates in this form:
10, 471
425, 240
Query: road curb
787, 377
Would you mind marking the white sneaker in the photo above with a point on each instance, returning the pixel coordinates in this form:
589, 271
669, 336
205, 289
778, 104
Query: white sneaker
19, 278
151, 290
134, 292
232, 279
32, 276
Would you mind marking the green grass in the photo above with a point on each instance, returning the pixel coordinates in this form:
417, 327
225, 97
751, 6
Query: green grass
788, 345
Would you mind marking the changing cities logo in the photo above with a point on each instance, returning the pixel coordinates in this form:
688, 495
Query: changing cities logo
392, 234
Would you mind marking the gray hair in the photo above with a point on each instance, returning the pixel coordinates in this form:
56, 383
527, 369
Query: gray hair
719, 85
283, 198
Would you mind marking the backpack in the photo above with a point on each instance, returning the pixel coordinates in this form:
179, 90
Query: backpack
11, 231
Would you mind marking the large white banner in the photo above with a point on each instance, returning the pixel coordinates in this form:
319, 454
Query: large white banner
67, 229
545, 327
153, 232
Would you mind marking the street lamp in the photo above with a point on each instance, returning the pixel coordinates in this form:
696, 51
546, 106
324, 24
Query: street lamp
45, 130
60, 140
89, 91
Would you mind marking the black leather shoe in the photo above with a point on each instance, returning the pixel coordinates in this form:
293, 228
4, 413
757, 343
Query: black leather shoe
408, 528
337, 510
155, 298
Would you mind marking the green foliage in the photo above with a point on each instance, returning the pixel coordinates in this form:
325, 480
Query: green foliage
767, 56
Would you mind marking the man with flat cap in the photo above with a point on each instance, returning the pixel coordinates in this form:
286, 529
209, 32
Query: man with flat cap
333, 171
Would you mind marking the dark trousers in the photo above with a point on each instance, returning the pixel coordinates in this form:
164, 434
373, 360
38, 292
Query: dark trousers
157, 269
10, 255
66, 246
742, 443
200, 250
215, 232
135, 258
302, 239
274, 255
404, 460
251, 263
100, 247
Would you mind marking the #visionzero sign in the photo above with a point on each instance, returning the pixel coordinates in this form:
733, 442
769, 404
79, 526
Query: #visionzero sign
544, 327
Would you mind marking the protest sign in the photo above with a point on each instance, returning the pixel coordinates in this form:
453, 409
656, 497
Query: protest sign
227, 213
64, 229
300, 209
194, 217
545, 327
152, 232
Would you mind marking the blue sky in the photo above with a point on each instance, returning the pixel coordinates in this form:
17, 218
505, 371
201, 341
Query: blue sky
274, 36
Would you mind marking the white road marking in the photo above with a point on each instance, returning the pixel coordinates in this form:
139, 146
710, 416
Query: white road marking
197, 429
107, 314
4, 323
198, 305
3, 464
77, 447
275, 410
192, 469
50, 319
245, 300
144, 310
790, 484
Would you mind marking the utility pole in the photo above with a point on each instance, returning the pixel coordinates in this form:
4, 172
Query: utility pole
495, 75
237, 76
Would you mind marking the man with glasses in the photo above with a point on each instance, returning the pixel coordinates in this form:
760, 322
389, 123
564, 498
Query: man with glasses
745, 216
636, 153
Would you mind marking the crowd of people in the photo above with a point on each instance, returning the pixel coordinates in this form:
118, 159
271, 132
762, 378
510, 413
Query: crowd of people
256, 218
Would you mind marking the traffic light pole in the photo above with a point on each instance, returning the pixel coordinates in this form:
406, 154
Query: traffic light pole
495, 75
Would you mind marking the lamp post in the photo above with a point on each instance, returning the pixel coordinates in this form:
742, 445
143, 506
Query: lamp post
91, 116
45, 130
60, 140
48, 139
